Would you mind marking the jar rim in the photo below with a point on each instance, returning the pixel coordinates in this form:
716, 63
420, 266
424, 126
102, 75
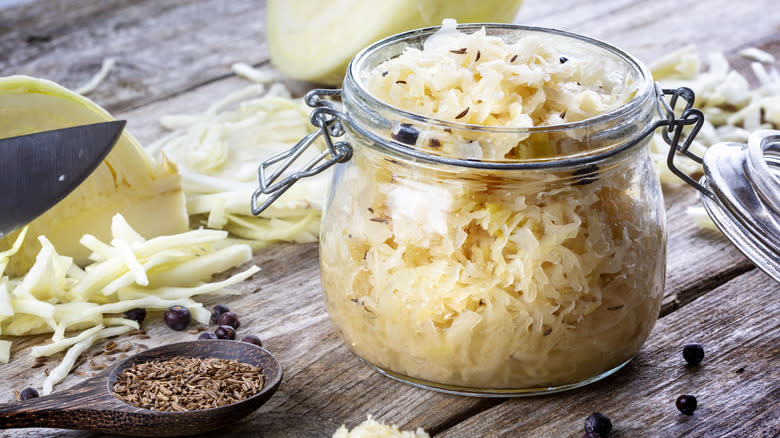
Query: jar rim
645, 85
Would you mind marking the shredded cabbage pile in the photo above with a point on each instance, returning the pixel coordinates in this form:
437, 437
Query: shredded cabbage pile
483, 80
477, 279
374, 429
56, 296
732, 108
218, 152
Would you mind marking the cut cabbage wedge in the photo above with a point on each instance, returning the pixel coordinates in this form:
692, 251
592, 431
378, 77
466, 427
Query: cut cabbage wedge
315, 40
147, 193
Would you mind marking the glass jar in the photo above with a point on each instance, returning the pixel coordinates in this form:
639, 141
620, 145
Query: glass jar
495, 277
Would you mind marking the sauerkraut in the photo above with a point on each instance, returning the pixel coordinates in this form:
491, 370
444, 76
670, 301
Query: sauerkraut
374, 429
476, 280
480, 279
479, 79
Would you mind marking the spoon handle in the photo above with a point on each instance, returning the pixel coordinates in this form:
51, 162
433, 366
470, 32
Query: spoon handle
81, 407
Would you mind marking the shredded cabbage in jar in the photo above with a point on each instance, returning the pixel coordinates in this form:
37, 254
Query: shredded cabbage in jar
486, 279
480, 79
500, 284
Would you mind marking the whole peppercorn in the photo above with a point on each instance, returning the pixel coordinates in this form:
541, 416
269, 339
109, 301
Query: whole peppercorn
406, 134
686, 404
207, 335
177, 317
225, 332
219, 309
693, 353
136, 314
229, 318
598, 423
28, 393
252, 339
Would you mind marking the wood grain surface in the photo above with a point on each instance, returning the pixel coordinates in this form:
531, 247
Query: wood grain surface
173, 56
736, 390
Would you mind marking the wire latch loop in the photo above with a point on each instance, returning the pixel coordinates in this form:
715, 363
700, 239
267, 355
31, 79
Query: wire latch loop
329, 122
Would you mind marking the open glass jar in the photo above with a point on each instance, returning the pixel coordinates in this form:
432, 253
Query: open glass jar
489, 276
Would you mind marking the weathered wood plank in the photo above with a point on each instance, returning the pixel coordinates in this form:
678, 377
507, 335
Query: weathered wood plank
737, 384
697, 260
165, 48
161, 47
324, 384
650, 29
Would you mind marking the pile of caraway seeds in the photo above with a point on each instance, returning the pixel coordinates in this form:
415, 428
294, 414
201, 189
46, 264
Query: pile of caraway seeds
187, 384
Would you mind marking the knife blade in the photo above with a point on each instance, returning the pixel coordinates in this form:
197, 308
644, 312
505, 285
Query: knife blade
39, 170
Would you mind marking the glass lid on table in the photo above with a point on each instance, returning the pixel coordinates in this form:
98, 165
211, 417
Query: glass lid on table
740, 190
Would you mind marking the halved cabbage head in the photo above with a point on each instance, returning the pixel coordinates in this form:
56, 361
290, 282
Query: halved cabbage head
315, 40
147, 193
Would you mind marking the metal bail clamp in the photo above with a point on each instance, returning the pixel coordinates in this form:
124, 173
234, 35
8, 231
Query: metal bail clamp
673, 130
739, 187
329, 120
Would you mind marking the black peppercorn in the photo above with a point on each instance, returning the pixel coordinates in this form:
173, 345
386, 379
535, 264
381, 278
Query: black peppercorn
207, 335
225, 332
219, 309
252, 339
406, 134
136, 314
563, 59
177, 317
28, 393
686, 404
693, 353
229, 318
598, 423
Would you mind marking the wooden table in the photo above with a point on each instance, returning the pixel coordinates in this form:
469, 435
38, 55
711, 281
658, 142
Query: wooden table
174, 55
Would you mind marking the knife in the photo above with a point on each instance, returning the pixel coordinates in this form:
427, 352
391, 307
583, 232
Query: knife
39, 170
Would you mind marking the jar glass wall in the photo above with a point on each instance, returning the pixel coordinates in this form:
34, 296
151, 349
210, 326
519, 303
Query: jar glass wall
494, 277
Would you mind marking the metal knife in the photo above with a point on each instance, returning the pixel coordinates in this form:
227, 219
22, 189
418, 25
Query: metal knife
39, 170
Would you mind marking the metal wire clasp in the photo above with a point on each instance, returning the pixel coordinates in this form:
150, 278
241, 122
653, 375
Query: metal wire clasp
329, 120
673, 129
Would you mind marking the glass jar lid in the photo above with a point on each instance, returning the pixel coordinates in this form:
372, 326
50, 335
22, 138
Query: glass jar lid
742, 196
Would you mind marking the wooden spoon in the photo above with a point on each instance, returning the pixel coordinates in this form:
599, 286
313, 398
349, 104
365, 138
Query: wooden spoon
91, 404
